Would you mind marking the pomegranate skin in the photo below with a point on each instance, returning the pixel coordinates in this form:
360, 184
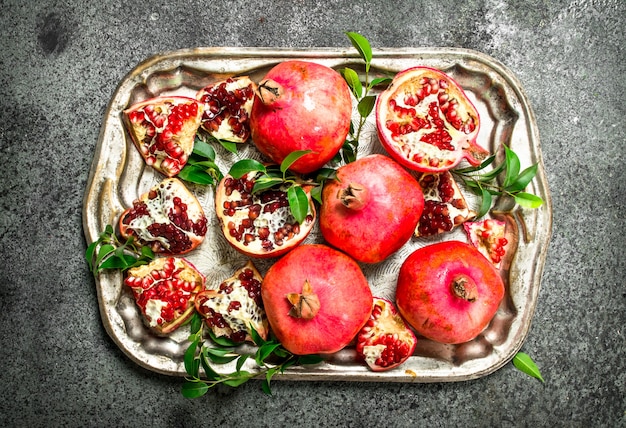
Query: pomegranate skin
426, 298
345, 299
312, 111
392, 203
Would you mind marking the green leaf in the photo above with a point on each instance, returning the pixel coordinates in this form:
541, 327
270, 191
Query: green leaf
298, 203
528, 200
194, 389
147, 252
256, 337
354, 83
265, 387
265, 351
291, 158
195, 323
190, 360
241, 378
229, 145
90, 252
380, 81
512, 166
118, 262
221, 340
485, 204
316, 194
362, 45
522, 180
525, 364
203, 149
196, 174
241, 361
366, 105
488, 176
206, 366
103, 252
244, 166
266, 182
324, 174
220, 356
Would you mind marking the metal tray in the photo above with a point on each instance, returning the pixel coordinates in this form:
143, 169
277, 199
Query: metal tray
118, 176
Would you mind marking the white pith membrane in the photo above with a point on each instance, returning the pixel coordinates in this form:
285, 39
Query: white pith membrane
159, 207
224, 130
459, 212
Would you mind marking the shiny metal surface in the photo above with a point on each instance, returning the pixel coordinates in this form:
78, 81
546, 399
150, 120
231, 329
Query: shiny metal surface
118, 176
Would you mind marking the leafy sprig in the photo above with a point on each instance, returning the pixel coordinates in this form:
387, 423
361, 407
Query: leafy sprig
524, 363
270, 357
273, 175
201, 167
109, 252
486, 184
361, 91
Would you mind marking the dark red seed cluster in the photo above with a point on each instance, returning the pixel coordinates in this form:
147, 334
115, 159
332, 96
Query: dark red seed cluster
395, 350
223, 104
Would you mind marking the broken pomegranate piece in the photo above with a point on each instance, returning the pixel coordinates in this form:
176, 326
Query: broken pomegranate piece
227, 105
445, 206
488, 236
386, 341
165, 291
235, 305
168, 218
164, 129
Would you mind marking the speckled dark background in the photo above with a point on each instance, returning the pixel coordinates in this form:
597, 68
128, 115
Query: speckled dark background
60, 62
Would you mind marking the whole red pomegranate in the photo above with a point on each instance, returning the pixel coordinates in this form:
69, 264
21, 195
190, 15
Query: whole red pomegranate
165, 291
371, 209
426, 122
316, 299
448, 292
301, 105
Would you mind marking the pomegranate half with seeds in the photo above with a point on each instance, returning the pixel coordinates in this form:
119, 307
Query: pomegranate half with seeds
165, 291
386, 341
235, 305
371, 209
164, 129
426, 122
316, 299
168, 218
227, 105
259, 224
448, 291
445, 206
301, 105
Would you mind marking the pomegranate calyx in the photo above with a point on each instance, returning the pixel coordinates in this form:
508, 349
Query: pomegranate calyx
269, 91
353, 197
464, 288
305, 305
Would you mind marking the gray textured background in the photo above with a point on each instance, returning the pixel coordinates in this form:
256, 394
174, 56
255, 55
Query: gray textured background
60, 62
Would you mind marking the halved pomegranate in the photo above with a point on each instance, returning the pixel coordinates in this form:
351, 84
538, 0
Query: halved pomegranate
164, 129
235, 305
426, 122
445, 206
489, 237
165, 291
371, 209
386, 341
448, 291
259, 224
301, 105
227, 105
316, 299
168, 218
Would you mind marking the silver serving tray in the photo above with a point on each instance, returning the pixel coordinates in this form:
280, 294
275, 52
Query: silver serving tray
118, 176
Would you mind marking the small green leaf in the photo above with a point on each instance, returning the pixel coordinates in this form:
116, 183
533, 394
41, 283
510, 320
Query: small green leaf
203, 149
265, 351
291, 158
380, 81
266, 182
316, 194
118, 262
195, 323
103, 252
324, 174
512, 166
241, 378
256, 337
362, 45
206, 366
265, 387
221, 340
189, 359
485, 204
90, 252
229, 145
220, 356
522, 180
298, 203
244, 166
525, 364
528, 200
353, 81
366, 105
194, 389
196, 174
488, 176
241, 361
